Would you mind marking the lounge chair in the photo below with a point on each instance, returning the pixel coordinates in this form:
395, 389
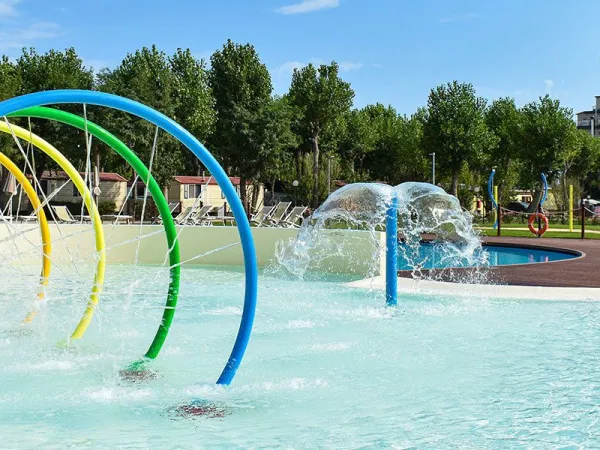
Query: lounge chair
62, 214
295, 216
30, 218
220, 217
117, 218
172, 207
278, 214
200, 215
184, 215
262, 215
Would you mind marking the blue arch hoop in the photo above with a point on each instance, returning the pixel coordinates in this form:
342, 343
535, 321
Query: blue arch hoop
545, 184
187, 139
491, 193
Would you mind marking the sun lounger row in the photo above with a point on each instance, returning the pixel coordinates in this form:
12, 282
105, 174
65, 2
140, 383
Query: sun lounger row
279, 215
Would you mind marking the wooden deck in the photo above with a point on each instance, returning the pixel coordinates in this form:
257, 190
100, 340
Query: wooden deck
580, 272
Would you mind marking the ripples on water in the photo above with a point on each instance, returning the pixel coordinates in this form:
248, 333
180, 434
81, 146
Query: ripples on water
327, 366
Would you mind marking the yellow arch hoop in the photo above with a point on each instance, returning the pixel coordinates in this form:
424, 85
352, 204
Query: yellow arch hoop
44, 229
72, 173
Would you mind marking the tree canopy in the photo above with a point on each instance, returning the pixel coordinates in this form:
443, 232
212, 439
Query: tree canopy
310, 134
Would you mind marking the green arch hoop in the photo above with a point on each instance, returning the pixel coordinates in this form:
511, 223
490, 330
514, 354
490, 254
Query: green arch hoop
156, 193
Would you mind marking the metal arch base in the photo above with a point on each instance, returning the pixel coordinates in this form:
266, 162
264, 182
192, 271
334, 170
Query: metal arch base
186, 138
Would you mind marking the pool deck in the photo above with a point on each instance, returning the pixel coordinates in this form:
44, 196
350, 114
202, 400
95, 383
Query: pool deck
581, 272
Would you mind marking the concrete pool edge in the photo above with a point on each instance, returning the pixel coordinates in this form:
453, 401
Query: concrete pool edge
488, 291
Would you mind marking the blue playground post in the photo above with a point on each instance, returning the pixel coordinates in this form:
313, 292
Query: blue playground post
545, 184
391, 253
491, 194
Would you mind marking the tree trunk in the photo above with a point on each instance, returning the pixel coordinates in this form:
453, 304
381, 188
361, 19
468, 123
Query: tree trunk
537, 196
315, 193
454, 187
255, 192
273, 190
243, 196
297, 163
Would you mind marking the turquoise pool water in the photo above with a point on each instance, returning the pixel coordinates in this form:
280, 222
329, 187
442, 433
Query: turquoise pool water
327, 367
436, 256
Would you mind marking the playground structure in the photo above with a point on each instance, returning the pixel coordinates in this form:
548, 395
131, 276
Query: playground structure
537, 216
156, 194
30, 105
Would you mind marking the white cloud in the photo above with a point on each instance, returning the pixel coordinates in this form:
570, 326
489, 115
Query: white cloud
18, 37
378, 66
306, 6
463, 17
96, 64
549, 85
8, 8
287, 68
347, 66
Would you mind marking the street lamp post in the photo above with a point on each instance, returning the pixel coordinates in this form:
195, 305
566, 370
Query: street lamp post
295, 183
433, 168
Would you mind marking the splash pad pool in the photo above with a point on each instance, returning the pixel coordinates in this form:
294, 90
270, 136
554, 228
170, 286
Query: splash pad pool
329, 365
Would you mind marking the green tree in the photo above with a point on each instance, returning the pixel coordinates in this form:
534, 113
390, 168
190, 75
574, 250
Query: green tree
144, 76
548, 140
356, 144
10, 79
503, 118
583, 167
10, 86
455, 129
193, 98
322, 97
55, 70
241, 86
279, 143
397, 155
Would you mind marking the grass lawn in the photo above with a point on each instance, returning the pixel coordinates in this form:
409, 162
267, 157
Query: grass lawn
548, 234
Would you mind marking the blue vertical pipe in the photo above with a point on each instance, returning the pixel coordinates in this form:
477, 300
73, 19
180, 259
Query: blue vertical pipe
491, 194
545, 191
391, 253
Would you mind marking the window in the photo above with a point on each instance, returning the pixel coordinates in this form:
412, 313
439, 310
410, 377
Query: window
75, 191
192, 191
237, 189
46, 187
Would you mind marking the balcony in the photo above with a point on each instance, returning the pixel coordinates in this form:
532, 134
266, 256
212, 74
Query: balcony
585, 122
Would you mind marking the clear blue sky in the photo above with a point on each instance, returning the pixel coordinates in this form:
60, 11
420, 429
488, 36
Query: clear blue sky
392, 51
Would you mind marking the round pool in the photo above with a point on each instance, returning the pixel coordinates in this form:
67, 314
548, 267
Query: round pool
443, 256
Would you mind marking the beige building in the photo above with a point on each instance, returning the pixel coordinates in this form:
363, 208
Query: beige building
190, 190
113, 188
590, 120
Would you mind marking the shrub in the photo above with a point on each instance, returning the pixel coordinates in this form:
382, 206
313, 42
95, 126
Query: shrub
107, 208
